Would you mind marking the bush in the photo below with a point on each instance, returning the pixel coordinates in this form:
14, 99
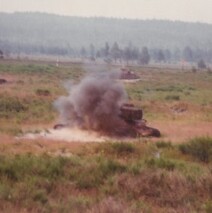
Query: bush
111, 205
170, 88
40, 196
11, 105
20, 166
107, 167
123, 148
95, 174
161, 163
5, 192
43, 92
208, 207
172, 97
118, 148
78, 204
25, 109
163, 144
200, 148
14, 130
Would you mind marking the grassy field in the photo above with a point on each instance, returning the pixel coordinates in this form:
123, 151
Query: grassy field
169, 174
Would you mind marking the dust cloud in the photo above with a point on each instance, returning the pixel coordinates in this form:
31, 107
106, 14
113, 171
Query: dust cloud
94, 104
66, 134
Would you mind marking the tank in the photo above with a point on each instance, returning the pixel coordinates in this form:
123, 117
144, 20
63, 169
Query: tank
127, 74
131, 124
133, 116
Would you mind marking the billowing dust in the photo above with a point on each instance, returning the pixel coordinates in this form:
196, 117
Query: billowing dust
67, 134
94, 105
90, 112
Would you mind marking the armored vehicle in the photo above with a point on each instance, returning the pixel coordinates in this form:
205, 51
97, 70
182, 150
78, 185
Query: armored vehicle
133, 116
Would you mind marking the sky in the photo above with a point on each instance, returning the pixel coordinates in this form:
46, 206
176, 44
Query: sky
183, 10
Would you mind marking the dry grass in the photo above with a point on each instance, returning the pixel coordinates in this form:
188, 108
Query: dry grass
90, 181
136, 176
111, 205
172, 190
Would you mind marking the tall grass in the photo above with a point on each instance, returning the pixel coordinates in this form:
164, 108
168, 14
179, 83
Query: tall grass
28, 68
109, 177
25, 109
118, 148
84, 183
200, 148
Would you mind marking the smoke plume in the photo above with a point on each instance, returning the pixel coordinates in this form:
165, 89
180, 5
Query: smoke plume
94, 104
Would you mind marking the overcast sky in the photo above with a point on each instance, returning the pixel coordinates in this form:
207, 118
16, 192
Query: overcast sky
184, 10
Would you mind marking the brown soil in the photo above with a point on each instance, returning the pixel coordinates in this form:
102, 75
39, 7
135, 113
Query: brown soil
180, 131
176, 132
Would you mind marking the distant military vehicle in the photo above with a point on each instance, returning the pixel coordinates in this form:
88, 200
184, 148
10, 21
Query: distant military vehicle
127, 74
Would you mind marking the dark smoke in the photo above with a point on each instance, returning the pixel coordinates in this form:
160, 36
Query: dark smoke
94, 104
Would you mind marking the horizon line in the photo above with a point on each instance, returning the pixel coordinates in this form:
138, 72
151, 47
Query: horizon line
109, 17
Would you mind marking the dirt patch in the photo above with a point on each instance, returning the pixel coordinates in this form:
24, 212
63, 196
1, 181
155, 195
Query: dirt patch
174, 131
179, 131
10, 145
179, 108
9, 77
66, 134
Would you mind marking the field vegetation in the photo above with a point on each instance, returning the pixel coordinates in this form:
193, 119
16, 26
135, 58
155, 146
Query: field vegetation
169, 174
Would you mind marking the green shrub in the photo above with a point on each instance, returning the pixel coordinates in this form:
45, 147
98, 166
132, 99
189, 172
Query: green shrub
5, 192
109, 166
79, 203
11, 105
200, 148
40, 196
42, 92
161, 163
27, 68
163, 144
118, 148
14, 130
25, 109
208, 207
95, 173
172, 97
135, 168
17, 168
123, 148
87, 182
170, 88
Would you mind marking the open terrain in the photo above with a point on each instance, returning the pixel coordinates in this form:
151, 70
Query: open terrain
168, 174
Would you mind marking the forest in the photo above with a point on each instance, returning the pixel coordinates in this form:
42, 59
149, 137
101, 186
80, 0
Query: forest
110, 39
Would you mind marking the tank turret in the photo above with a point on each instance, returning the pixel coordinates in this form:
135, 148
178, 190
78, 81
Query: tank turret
133, 116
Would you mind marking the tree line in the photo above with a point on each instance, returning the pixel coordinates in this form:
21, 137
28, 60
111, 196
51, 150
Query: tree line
144, 55
117, 54
109, 39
